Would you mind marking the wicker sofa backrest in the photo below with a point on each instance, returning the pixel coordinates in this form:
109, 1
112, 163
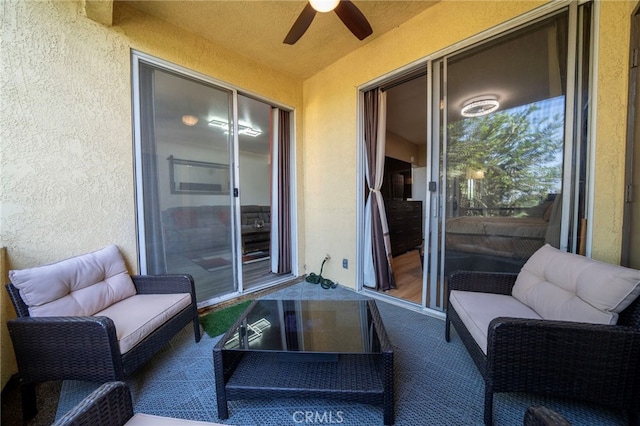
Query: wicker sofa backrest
14, 294
631, 315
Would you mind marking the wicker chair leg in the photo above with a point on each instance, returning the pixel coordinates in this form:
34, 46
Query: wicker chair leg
29, 403
221, 392
488, 406
447, 329
196, 329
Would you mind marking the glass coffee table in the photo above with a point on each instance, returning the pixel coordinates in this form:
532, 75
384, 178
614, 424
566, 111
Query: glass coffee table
306, 348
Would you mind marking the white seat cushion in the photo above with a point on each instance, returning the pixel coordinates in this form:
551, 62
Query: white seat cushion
137, 316
568, 287
139, 419
79, 286
476, 310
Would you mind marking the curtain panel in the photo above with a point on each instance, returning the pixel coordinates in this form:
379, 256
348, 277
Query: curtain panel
154, 242
281, 264
378, 262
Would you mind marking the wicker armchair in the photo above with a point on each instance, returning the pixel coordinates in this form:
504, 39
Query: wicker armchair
589, 362
542, 416
86, 348
110, 405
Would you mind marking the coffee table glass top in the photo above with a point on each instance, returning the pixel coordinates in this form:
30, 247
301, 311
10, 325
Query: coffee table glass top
316, 326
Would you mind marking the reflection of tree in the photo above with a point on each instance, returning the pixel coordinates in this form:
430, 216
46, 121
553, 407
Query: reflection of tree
518, 151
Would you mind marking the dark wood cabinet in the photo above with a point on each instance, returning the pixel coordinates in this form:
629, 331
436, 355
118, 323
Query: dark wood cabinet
405, 225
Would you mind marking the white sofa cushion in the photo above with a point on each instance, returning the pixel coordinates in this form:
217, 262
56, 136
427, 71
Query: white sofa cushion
79, 286
140, 419
568, 287
476, 310
137, 316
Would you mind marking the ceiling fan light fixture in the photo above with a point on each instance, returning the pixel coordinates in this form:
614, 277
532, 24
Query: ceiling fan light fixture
189, 120
324, 5
480, 106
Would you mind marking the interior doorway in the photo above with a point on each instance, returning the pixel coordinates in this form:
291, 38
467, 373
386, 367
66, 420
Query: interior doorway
404, 183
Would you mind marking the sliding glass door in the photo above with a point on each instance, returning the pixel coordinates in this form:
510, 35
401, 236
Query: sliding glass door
504, 169
254, 159
504, 162
186, 188
204, 183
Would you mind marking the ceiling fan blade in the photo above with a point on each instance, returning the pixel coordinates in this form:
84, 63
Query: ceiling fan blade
300, 26
353, 19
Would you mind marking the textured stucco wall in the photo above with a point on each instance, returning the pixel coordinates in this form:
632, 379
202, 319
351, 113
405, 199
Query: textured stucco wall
330, 132
7, 360
66, 135
612, 81
65, 122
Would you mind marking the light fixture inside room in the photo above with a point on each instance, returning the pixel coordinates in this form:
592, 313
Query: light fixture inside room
189, 120
243, 129
324, 5
477, 107
475, 174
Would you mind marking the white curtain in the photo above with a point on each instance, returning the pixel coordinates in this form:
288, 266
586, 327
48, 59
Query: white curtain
374, 191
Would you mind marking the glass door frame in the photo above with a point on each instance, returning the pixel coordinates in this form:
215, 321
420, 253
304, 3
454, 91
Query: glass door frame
137, 58
437, 147
434, 264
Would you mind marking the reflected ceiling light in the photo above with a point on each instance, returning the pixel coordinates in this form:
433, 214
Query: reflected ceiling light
480, 106
189, 120
324, 5
243, 129
219, 123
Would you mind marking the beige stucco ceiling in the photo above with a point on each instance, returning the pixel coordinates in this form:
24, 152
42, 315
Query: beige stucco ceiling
257, 28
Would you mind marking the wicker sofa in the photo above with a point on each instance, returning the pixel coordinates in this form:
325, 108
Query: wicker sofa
86, 318
201, 228
196, 228
517, 349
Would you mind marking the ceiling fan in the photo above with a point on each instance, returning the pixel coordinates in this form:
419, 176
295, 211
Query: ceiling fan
348, 13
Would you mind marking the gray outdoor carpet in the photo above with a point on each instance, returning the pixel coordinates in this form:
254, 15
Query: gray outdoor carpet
436, 382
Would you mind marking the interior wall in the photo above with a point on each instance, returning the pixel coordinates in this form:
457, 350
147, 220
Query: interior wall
255, 179
401, 149
167, 147
331, 96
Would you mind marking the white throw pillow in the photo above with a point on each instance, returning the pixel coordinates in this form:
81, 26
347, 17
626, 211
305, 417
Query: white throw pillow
565, 286
78, 286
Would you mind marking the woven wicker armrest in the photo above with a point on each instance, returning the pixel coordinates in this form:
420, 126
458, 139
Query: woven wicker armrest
164, 284
594, 362
110, 404
70, 348
566, 337
485, 282
543, 416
